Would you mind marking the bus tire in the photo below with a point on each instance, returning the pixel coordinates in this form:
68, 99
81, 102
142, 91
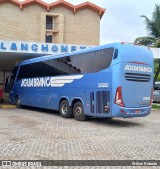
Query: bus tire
18, 102
65, 110
78, 111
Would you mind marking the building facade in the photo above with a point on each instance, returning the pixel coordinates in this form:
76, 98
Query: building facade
33, 28
58, 22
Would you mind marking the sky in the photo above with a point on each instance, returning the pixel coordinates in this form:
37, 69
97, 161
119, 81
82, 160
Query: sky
121, 21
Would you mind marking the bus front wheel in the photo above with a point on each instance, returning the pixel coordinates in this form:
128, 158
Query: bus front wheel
64, 109
78, 111
18, 102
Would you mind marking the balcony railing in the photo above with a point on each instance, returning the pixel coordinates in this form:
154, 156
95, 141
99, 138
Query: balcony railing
51, 26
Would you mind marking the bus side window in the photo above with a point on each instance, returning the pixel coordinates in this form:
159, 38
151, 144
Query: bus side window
103, 60
94, 61
26, 71
61, 66
115, 54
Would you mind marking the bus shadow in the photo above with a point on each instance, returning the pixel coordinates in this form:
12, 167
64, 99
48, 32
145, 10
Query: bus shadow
40, 110
115, 122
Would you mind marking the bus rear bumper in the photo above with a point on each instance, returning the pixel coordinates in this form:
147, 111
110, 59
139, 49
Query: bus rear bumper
133, 112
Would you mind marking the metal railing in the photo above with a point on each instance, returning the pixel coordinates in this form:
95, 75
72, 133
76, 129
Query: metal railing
52, 26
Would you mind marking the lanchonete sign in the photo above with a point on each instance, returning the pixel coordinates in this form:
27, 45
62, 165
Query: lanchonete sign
35, 47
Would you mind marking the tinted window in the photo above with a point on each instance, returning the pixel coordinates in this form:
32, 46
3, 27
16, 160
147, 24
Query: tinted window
92, 62
62, 66
86, 62
89, 62
47, 68
103, 59
26, 71
115, 54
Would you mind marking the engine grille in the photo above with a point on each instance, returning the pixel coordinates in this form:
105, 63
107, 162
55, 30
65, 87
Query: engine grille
137, 77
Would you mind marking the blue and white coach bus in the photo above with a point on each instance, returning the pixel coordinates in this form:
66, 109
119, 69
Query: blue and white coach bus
114, 80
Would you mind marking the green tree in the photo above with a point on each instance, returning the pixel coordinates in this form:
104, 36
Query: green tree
153, 38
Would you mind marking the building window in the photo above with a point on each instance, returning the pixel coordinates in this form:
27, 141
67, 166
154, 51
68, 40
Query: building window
51, 32
49, 22
49, 39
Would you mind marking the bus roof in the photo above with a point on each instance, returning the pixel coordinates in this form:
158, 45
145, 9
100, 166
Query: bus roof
48, 57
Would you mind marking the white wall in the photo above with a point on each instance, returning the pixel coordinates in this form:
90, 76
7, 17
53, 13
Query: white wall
156, 53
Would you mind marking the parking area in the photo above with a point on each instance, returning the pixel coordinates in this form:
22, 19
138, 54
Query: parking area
35, 134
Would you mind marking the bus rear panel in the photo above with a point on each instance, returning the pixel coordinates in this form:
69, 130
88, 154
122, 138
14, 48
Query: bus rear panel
134, 87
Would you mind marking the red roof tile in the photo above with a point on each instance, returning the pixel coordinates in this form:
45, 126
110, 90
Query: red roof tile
58, 3
10, 1
61, 3
91, 6
30, 2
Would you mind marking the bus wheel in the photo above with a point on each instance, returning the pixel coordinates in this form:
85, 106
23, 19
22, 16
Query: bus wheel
64, 109
78, 111
18, 102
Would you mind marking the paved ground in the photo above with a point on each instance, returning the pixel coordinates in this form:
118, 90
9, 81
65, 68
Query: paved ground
45, 135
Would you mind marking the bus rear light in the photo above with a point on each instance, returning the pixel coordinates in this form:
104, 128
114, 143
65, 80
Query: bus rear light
118, 97
151, 98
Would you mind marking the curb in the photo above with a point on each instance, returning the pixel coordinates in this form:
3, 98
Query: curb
7, 106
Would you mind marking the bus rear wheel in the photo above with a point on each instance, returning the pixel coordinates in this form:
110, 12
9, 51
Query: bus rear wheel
65, 110
78, 111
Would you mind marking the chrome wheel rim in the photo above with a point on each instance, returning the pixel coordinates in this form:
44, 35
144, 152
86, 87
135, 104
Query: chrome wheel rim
64, 109
79, 111
18, 102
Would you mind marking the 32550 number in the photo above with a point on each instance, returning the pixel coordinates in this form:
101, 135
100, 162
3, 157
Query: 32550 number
103, 84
